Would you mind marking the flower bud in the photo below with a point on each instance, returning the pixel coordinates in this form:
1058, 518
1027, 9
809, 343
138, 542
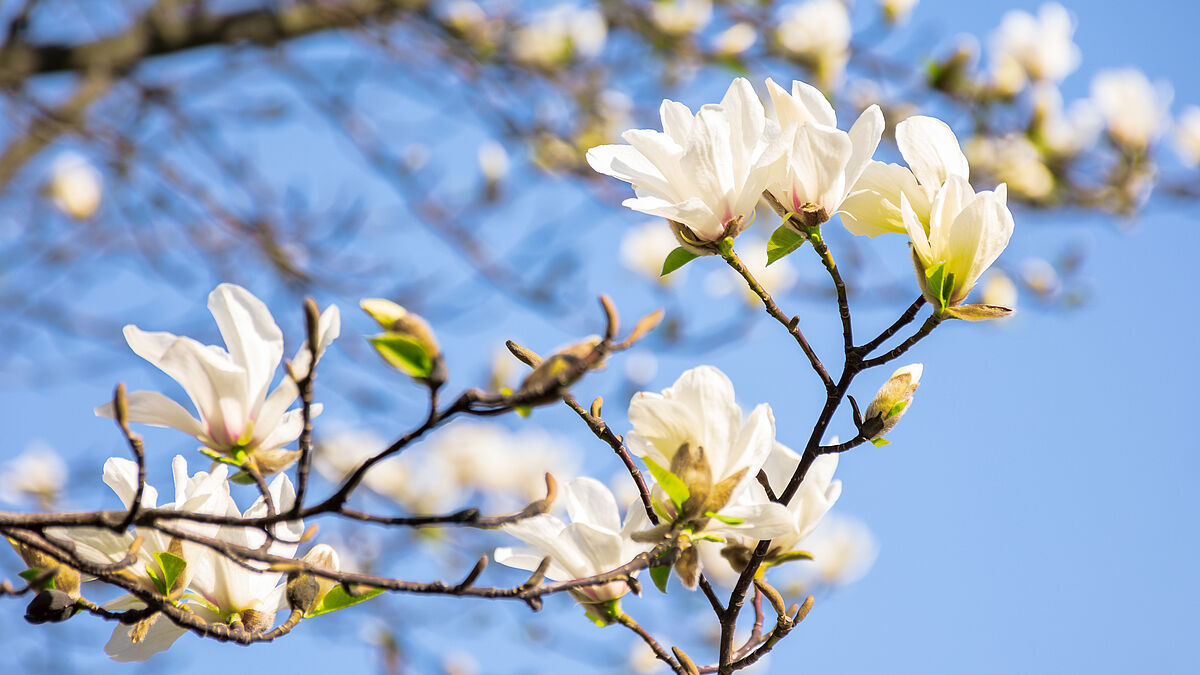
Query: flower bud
50, 606
304, 590
408, 344
555, 374
891, 402
65, 579
257, 621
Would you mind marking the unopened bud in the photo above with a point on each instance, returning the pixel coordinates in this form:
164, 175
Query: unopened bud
561, 370
50, 606
75, 186
408, 343
66, 579
891, 401
304, 590
257, 621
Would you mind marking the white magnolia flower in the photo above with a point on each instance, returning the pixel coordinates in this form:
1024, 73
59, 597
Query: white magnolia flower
824, 162
999, 289
229, 388
680, 17
897, 11
1014, 160
38, 472
493, 161
967, 232
817, 494
843, 551
594, 542
933, 156
204, 492
705, 172
818, 31
1135, 112
75, 186
1064, 133
1035, 48
1187, 135
559, 34
736, 39
645, 247
698, 416
507, 467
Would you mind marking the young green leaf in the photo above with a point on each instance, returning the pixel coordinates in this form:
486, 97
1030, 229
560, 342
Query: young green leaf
33, 573
880, 442
728, 520
676, 259
404, 354
660, 575
171, 566
898, 408
669, 482
783, 241
337, 598
935, 280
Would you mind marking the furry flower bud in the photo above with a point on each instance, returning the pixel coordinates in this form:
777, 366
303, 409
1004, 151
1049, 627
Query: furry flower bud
892, 401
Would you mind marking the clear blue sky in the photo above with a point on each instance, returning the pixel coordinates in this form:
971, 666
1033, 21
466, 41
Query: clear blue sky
1036, 511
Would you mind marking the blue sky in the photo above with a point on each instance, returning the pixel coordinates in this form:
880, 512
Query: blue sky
1036, 510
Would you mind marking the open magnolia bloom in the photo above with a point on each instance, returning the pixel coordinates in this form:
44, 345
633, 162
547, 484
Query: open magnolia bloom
164, 565
818, 493
594, 542
966, 233
228, 388
704, 172
704, 456
824, 161
933, 155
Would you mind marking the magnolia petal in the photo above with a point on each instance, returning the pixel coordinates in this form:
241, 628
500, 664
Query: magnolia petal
709, 158
600, 549
708, 394
161, 634
758, 521
590, 501
626, 163
660, 426
151, 407
216, 385
954, 194
288, 428
329, 327
873, 205
121, 475
864, 138
931, 150
817, 167
751, 449
253, 339
676, 121
916, 232
529, 559
694, 213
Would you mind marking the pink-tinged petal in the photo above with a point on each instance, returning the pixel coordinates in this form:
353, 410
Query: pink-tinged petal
529, 559
864, 138
216, 385
251, 335
121, 475
931, 150
158, 638
817, 167
589, 501
151, 407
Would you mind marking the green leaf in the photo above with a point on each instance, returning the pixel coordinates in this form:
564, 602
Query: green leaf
935, 281
172, 567
898, 408
783, 241
156, 577
728, 520
790, 556
33, 573
669, 482
242, 478
337, 598
660, 575
404, 354
880, 442
676, 259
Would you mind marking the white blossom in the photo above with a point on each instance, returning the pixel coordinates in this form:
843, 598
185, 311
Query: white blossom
705, 172
1036, 48
680, 17
228, 387
1064, 133
76, 186
1014, 160
594, 542
736, 39
999, 289
493, 161
645, 247
897, 11
818, 31
843, 551
559, 34
1135, 112
38, 472
817, 494
1187, 135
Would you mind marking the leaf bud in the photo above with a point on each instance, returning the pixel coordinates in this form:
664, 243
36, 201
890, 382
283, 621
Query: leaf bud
558, 372
408, 343
50, 606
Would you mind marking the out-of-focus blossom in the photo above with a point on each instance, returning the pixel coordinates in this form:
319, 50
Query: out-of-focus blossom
558, 35
76, 186
817, 494
1064, 133
897, 11
736, 39
1187, 135
999, 289
681, 17
1039, 48
1015, 160
38, 473
843, 551
594, 542
1135, 112
493, 162
817, 31
645, 247
695, 430
704, 172
1040, 277
228, 387
824, 162
777, 278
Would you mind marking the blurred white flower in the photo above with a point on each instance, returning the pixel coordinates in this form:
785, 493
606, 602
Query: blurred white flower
229, 388
1064, 133
594, 542
38, 473
1012, 159
706, 172
1135, 112
897, 11
1040, 276
817, 494
843, 551
680, 17
818, 31
736, 39
999, 289
1035, 48
493, 161
76, 186
824, 162
645, 247
1187, 135
558, 35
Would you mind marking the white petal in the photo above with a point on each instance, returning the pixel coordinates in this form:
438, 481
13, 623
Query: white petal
759, 521
626, 163
159, 638
528, 559
329, 327
694, 213
931, 150
600, 549
676, 121
948, 203
122, 476
750, 450
151, 407
980, 234
590, 501
287, 428
864, 138
250, 334
818, 166
916, 232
